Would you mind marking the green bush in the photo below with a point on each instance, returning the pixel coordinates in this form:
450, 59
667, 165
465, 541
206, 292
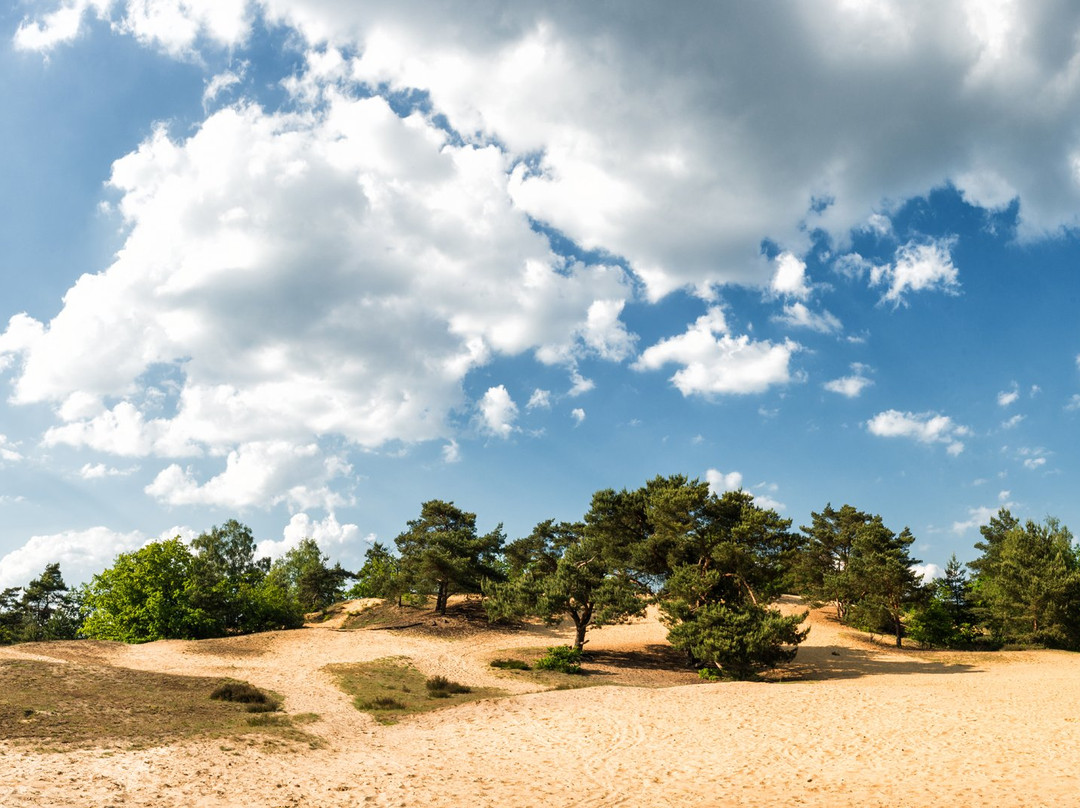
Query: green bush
510, 664
561, 658
439, 687
255, 700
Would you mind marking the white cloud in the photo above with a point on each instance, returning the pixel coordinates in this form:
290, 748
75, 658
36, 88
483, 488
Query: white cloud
98, 471
797, 315
918, 268
579, 384
926, 427
578, 415
257, 474
853, 385
498, 412
451, 452
977, 517
719, 481
331, 536
80, 553
394, 262
716, 363
1074, 402
1008, 397
928, 572
1012, 422
220, 83
8, 450
789, 279
1033, 458
539, 400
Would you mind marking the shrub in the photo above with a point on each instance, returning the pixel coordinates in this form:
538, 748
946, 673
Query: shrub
561, 658
255, 700
510, 664
384, 703
439, 687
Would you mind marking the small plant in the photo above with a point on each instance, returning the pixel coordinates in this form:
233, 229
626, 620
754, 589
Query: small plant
561, 658
439, 687
709, 675
255, 700
383, 703
510, 664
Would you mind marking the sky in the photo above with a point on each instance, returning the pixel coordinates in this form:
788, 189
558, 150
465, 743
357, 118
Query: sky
310, 263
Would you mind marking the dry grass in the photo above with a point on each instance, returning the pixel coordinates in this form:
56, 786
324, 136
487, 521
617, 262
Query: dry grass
392, 688
72, 705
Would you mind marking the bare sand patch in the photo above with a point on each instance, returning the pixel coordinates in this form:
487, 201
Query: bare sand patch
851, 723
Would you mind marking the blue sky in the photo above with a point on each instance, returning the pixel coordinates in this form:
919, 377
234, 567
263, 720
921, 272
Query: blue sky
308, 263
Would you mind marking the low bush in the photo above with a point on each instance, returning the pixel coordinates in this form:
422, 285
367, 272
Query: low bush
510, 664
439, 687
561, 658
255, 700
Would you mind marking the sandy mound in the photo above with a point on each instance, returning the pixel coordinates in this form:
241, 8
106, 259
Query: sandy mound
852, 723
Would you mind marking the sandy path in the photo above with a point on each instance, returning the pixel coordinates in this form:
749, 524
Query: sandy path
874, 727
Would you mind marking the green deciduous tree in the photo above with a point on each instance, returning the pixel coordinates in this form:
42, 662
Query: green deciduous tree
146, 595
441, 552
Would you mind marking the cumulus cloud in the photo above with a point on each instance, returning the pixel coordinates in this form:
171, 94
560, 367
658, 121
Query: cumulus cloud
925, 427
578, 415
451, 452
98, 471
918, 268
798, 315
1012, 422
259, 473
851, 386
1033, 458
80, 553
394, 263
1008, 397
539, 400
977, 517
720, 481
8, 450
498, 412
928, 572
331, 536
789, 279
717, 363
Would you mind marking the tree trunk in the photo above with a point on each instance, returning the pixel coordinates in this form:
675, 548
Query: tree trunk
581, 623
442, 597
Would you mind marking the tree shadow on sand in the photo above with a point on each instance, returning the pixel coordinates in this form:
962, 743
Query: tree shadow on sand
827, 662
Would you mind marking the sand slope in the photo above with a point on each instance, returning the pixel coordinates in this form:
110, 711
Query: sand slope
860, 724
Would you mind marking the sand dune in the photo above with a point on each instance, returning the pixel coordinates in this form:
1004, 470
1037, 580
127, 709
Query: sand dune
852, 723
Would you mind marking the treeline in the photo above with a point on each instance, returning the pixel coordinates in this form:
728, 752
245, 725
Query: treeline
713, 563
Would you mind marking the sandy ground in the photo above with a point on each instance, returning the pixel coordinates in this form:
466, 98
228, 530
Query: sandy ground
854, 724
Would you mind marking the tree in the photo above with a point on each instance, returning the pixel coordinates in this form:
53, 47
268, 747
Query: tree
380, 577
304, 574
1027, 581
228, 581
723, 560
946, 619
441, 552
146, 595
569, 570
852, 559
49, 610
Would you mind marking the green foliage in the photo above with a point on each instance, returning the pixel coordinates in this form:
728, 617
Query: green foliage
560, 658
510, 664
303, 573
149, 594
854, 561
439, 687
254, 699
738, 641
1027, 582
380, 577
575, 570
946, 619
441, 553
45, 609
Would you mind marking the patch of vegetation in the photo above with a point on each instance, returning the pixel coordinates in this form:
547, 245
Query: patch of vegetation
511, 664
253, 699
73, 705
391, 688
561, 658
